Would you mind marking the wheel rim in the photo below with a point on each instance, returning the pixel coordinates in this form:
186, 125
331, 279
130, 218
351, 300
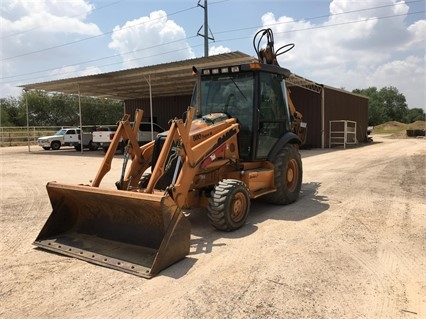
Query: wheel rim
239, 207
292, 175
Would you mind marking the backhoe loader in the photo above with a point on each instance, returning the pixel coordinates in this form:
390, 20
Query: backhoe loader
235, 143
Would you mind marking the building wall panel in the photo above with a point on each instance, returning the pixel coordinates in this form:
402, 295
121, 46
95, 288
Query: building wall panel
309, 104
340, 105
163, 108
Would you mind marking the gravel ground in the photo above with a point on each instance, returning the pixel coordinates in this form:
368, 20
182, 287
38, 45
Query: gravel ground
352, 246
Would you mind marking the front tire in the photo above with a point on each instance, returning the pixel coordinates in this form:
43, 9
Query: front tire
287, 176
229, 205
55, 145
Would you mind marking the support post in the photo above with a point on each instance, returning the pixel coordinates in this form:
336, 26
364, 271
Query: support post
205, 35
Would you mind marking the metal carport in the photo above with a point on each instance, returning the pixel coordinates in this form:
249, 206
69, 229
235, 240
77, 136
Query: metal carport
173, 79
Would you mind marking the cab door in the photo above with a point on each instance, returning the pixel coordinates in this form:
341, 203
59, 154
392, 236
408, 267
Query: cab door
71, 136
273, 113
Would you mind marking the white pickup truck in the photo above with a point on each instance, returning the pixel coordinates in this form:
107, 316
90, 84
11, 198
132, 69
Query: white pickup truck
104, 135
67, 137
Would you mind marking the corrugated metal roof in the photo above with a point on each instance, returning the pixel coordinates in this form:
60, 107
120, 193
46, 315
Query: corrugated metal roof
167, 79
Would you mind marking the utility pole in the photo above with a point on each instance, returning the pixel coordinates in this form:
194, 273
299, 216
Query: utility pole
206, 28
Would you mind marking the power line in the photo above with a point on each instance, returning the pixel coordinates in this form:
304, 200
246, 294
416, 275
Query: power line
323, 16
104, 65
324, 26
224, 40
180, 11
108, 57
88, 38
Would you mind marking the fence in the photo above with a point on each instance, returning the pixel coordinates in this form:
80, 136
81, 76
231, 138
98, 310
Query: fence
21, 136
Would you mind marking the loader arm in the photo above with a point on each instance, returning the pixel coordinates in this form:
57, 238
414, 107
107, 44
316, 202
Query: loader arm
140, 156
141, 161
296, 123
194, 157
191, 156
293, 111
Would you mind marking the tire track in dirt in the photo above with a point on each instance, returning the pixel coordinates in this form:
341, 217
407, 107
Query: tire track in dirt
356, 227
389, 211
344, 250
27, 203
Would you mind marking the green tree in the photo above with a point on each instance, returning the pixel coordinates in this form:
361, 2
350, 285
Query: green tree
415, 114
58, 110
63, 110
8, 111
38, 108
395, 103
101, 111
384, 105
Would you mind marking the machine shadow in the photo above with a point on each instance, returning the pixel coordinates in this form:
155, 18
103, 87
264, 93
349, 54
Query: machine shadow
204, 237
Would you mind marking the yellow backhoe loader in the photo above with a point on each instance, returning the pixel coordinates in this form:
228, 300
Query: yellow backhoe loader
235, 143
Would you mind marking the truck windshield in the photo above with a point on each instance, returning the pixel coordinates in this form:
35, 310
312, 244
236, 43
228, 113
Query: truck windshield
61, 132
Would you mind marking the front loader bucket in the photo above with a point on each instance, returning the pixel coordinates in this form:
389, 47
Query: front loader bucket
137, 233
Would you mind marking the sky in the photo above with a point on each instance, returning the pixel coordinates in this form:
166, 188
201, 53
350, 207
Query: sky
349, 44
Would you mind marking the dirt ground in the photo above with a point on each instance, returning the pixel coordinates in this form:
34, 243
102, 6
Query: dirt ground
352, 246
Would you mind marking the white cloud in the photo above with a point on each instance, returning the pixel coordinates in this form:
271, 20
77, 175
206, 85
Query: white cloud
218, 50
150, 40
31, 25
407, 75
417, 35
33, 34
357, 55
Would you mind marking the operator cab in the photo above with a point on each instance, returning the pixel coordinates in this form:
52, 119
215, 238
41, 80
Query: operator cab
255, 94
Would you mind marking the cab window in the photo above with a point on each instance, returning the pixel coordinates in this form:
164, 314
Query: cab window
273, 113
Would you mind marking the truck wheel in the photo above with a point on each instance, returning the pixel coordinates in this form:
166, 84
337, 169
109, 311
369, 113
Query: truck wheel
77, 148
287, 176
46, 148
55, 145
229, 205
93, 146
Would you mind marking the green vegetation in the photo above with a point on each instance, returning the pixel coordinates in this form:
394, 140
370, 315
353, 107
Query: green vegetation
387, 104
57, 110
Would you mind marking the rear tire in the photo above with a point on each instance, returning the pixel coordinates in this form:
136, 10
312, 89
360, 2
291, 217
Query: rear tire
46, 148
287, 176
93, 146
229, 205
